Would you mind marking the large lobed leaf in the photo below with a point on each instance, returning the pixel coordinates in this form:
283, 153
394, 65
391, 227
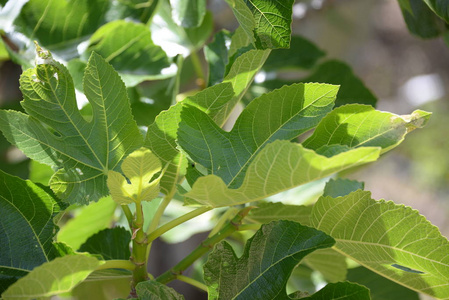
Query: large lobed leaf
26, 240
283, 165
389, 239
52, 278
55, 133
266, 264
280, 115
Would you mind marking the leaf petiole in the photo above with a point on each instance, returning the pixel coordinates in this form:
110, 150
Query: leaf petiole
117, 264
245, 227
173, 223
128, 215
192, 281
222, 220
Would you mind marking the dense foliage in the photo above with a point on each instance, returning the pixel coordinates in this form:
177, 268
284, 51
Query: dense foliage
106, 129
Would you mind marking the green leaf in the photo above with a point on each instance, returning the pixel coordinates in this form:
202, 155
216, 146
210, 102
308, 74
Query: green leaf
128, 47
55, 133
110, 243
330, 263
381, 288
217, 101
153, 290
61, 24
301, 54
26, 241
342, 187
268, 212
266, 264
52, 278
176, 39
40, 173
241, 75
440, 7
104, 285
389, 239
198, 36
76, 69
138, 168
352, 125
160, 139
267, 22
89, 221
153, 97
420, 19
282, 114
216, 54
341, 291
280, 166
188, 13
301, 281
239, 40
352, 89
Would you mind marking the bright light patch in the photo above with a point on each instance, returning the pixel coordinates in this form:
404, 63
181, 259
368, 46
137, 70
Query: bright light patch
422, 89
299, 10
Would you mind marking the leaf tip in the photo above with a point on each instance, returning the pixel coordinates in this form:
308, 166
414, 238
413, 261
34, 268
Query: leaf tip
43, 57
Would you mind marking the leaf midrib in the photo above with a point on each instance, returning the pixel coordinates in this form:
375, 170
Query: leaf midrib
73, 124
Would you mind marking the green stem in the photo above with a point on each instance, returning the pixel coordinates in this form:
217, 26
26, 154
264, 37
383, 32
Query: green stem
205, 246
250, 227
222, 221
140, 243
173, 223
117, 264
157, 217
128, 214
198, 70
193, 282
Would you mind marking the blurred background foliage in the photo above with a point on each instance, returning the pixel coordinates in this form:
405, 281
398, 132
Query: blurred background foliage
394, 52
